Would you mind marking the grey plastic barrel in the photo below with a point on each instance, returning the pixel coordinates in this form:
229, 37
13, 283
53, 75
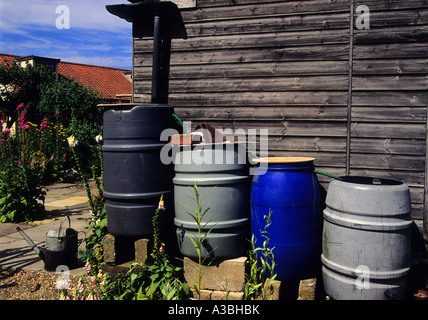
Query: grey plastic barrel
221, 174
134, 176
366, 239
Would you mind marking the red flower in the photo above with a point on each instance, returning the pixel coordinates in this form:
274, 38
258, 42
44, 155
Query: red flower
44, 124
23, 121
20, 107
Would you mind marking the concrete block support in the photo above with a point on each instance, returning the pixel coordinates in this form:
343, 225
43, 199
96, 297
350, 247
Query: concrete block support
118, 250
221, 280
226, 275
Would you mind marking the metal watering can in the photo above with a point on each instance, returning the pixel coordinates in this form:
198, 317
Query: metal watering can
60, 246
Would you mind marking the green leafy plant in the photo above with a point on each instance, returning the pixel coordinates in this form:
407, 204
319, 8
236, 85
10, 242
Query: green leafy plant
22, 198
98, 219
22, 85
260, 265
197, 214
157, 279
76, 107
89, 286
23, 167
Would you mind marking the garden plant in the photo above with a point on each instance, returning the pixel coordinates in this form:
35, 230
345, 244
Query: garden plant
29, 160
197, 214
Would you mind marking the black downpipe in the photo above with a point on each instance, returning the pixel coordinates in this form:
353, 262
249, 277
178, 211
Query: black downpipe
157, 52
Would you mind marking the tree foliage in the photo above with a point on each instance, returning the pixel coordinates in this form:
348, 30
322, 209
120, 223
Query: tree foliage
20, 85
76, 108
64, 101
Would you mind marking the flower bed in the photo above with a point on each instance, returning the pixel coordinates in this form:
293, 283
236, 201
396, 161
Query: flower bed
29, 159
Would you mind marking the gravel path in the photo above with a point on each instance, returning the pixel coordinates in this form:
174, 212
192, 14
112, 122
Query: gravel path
29, 285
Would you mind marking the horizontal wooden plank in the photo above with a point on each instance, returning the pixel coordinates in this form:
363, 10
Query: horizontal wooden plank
417, 214
263, 69
263, 40
412, 178
396, 83
388, 130
394, 34
282, 128
388, 146
389, 114
291, 143
319, 143
376, 5
391, 50
259, 98
269, 24
311, 113
265, 9
416, 195
272, 84
390, 66
389, 98
387, 161
395, 18
322, 159
221, 3
318, 52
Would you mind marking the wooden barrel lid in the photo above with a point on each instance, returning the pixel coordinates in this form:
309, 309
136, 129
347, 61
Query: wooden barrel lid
283, 159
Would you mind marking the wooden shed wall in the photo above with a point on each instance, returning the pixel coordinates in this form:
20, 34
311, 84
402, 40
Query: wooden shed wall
355, 99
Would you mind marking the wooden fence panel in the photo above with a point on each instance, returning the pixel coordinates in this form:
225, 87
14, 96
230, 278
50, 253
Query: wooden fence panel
389, 96
355, 99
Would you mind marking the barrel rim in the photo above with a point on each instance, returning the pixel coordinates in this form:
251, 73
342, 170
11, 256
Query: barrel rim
133, 195
364, 181
125, 106
208, 181
217, 225
131, 147
201, 145
283, 159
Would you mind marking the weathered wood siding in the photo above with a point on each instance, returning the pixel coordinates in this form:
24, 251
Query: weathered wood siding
389, 96
356, 100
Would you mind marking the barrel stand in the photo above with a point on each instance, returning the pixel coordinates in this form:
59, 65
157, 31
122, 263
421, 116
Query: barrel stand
120, 253
225, 280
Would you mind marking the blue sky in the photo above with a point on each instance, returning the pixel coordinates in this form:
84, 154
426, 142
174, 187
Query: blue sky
29, 27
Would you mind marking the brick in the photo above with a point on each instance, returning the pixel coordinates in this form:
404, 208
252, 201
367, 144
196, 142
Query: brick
119, 250
109, 249
307, 289
205, 294
223, 295
115, 269
276, 286
143, 250
218, 295
226, 275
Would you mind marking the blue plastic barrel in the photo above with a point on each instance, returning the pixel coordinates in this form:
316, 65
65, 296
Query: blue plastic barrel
289, 188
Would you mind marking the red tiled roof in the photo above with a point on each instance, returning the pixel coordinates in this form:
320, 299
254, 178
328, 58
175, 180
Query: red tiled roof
7, 58
108, 81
